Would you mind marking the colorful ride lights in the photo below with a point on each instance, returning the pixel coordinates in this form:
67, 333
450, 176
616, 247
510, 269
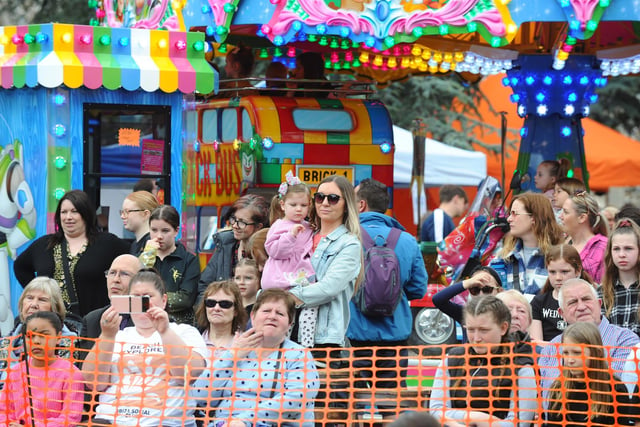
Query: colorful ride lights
59, 162
267, 143
59, 130
565, 131
385, 147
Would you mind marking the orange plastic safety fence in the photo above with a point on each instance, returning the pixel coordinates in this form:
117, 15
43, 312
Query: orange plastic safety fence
148, 384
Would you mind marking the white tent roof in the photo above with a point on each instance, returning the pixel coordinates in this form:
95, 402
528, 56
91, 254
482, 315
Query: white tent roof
443, 164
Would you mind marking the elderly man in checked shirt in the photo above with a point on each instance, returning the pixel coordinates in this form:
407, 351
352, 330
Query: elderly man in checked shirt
579, 302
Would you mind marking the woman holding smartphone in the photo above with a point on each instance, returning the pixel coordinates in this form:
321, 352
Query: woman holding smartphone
160, 354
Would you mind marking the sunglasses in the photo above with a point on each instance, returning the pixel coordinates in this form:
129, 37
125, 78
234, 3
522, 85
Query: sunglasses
486, 290
333, 198
223, 303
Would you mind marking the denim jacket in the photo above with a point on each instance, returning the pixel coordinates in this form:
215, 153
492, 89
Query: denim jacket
337, 261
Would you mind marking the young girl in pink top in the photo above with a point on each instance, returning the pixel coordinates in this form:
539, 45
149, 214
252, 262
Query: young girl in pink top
49, 389
290, 238
289, 245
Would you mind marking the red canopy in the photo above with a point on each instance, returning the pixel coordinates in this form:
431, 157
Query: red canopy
613, 160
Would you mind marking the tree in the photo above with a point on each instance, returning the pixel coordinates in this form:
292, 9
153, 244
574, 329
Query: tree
23, 12
446, 104
618, 105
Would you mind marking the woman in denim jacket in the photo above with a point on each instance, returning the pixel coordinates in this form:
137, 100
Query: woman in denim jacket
337, 260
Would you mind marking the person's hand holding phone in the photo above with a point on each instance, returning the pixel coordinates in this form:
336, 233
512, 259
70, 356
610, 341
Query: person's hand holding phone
160, 319
110, 322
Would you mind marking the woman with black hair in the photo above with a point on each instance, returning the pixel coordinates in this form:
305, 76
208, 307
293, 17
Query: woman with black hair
77, 255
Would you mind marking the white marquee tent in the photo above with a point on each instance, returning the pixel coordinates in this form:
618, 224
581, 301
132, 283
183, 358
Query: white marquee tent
443, 164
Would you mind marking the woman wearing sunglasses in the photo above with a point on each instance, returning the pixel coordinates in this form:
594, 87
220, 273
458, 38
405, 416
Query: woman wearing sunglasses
249, 214
337, 260
483, 281
221, 314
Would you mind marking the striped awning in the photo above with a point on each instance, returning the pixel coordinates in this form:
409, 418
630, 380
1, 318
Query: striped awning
53, 55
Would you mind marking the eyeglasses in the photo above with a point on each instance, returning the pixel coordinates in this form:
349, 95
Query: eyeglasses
242, 224
514, 213
126, 212
486, 290
225, 304
333, 198
113, 273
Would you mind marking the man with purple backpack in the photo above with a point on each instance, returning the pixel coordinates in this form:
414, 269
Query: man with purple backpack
380, 312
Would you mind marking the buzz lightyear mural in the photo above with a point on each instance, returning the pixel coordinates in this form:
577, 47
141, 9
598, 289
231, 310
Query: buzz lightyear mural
17, 221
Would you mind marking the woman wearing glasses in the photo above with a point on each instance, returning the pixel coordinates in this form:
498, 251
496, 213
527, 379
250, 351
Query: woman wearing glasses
337, 260
533, 230
221, 314
135, 213
587, 231
249, 214
483, 281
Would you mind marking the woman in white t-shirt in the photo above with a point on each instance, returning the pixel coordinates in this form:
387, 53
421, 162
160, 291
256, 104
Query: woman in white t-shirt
140, 373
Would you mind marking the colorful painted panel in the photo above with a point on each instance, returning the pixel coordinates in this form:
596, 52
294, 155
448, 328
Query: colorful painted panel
52, 55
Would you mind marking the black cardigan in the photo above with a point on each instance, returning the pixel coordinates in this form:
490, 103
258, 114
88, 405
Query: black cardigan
91, 284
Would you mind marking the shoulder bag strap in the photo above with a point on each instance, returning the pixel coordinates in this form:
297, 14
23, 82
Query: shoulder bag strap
516, 274
74, 306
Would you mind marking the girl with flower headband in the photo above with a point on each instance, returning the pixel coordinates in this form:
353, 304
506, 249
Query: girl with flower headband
620, 287
289, 246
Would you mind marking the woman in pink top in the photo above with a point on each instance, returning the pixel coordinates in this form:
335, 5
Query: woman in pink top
587, 230
49, 389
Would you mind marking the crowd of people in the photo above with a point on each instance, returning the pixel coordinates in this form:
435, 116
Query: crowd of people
239, 343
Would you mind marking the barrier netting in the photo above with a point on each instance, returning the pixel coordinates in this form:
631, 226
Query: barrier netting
154, 385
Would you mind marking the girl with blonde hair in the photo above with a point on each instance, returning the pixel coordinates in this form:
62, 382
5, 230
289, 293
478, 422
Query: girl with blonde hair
587, 393
587, 231
135, 213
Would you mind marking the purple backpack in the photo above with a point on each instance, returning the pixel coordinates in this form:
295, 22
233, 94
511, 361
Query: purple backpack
380, 292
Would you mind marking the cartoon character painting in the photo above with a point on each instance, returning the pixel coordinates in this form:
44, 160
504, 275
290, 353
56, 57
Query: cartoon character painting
17, 221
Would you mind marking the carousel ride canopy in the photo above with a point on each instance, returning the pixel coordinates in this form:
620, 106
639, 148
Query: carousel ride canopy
555, 53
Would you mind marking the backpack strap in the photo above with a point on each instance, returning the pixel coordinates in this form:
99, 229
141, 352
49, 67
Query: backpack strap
393, 237
367, 242
391, 241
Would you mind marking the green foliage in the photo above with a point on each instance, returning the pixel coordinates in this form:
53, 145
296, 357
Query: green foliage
618, 105
22, 12
446, 105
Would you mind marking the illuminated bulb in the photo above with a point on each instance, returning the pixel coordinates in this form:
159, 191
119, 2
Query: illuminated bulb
377, 61
59, 130
58, 193
4, 39
162, 43
392, 62
385, 147
416, 51
364, 57
60, 162
267, 143
105, 40
405, 62
569, 110
16, 39
437, 57
459, 56
181, 45
542, 110
522, 110
66, 38
426, 54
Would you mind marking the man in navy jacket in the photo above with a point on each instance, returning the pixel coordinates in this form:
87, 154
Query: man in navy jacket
388, 331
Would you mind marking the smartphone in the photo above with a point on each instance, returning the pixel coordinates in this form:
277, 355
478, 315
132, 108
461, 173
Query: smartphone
130, 303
